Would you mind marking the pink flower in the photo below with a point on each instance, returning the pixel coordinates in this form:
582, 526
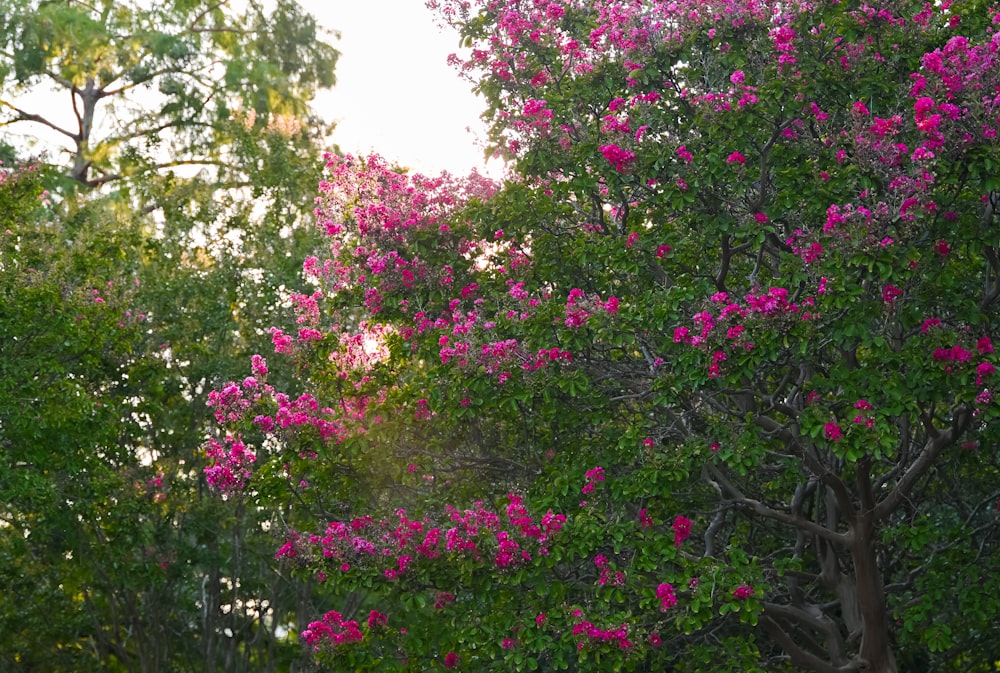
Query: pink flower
682, 529
540, 619
736, 157
666, 596
450, 660
617, 157
929, 324
376, 619
942, 248
662, 251
683, 153
833, 432
890, 293
743, 592
984, 369
645, 520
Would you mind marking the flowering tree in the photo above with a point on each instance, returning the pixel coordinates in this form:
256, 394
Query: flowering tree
708, 385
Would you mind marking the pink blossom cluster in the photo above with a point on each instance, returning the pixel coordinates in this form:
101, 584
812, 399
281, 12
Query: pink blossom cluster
682, 529
372, 214
332, 631
587, 633
231, 464
593, 477
618, 157
390, 547
665, 594
728, 328
608, 573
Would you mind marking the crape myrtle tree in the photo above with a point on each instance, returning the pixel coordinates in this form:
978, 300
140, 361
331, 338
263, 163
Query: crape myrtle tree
709, 385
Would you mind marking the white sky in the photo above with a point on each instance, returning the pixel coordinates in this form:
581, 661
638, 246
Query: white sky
395, 92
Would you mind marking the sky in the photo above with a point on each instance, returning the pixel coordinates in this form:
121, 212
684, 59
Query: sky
395, 92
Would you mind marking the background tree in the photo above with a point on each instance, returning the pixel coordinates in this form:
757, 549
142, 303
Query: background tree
115, 557
742, 297
147, 89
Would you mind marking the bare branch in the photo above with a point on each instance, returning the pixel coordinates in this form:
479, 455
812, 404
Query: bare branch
799, 656
31, 117
763, 510
928, 455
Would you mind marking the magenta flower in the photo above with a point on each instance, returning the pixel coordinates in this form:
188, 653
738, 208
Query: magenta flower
667, 597
743, 592
890, 293
376, 619
929, 324
450, 660
736, 157
833, 432
645, 520
617, 157
682, 529
984, 369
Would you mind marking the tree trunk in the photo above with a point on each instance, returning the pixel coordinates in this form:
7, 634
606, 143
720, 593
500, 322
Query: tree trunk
876, 644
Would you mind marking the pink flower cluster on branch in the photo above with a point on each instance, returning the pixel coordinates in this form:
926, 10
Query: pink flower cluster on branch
389, 548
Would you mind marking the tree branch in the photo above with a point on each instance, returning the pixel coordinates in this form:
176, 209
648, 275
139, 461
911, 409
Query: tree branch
30, 117
928, 455
763, 510
799, 656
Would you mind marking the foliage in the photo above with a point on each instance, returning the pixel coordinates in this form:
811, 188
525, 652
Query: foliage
744, 287
127, 294
148, 89
113, 556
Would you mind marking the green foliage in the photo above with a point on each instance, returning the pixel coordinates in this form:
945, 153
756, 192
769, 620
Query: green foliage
157, 88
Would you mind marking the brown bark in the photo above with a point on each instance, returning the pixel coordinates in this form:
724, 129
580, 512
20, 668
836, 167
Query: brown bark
876, 644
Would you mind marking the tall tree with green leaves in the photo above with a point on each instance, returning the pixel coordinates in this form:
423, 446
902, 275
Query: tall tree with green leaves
179, 121
130, 89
